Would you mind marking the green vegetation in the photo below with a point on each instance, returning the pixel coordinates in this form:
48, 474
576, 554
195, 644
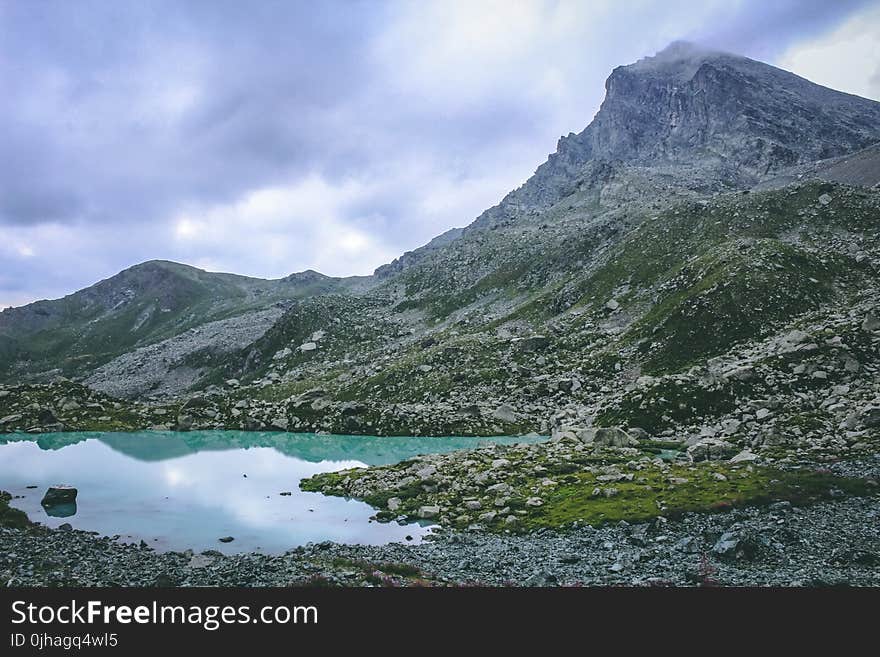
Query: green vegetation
578, 493
685, 489
10, 517
141, 305
671, 402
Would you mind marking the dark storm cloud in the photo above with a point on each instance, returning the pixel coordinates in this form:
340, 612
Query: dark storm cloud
260, 136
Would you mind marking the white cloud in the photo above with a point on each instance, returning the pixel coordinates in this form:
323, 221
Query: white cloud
460, 54
276, 230
847, 59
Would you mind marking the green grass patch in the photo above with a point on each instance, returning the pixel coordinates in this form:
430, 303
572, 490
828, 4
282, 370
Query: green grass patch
658, 494
11, 517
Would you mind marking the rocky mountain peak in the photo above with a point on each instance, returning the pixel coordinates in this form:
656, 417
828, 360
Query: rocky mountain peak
679, 60
691, 113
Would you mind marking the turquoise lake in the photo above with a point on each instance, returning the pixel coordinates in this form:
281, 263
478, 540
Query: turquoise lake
186, 490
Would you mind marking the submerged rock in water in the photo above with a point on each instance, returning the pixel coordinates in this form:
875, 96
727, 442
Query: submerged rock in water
60, 494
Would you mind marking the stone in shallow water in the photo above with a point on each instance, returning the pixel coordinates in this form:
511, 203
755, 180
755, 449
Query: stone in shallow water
59, 494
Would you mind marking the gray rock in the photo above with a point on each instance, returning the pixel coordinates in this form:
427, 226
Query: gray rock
744, 457
607, 436
505, 413
871, 417
711, 449
796, 337
59, 494
352, 408
737, 545
282, 353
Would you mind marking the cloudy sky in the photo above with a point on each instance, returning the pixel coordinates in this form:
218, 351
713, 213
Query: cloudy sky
268, 137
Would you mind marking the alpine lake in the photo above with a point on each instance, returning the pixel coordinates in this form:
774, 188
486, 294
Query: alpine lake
187, 490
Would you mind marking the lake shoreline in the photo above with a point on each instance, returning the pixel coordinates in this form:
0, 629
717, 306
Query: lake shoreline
187, 490
826, 544
780, 543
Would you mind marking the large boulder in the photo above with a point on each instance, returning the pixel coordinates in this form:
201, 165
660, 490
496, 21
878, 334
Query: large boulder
196, 403
736, 545
59, 494
46, 416
505, 413
711, 449
10, 419
614, 437
429, 511
744, 456
352, 408
871, 417
184, 422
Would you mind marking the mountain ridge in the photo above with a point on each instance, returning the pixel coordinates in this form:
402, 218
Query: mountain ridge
558, 254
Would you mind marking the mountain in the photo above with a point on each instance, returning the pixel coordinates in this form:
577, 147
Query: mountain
708, 120
705, 251
140, 305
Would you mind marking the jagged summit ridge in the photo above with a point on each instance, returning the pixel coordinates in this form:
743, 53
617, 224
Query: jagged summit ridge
680, 60
730, 119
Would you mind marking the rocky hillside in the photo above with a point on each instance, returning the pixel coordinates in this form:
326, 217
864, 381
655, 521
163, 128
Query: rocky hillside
704, 252
139, 306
